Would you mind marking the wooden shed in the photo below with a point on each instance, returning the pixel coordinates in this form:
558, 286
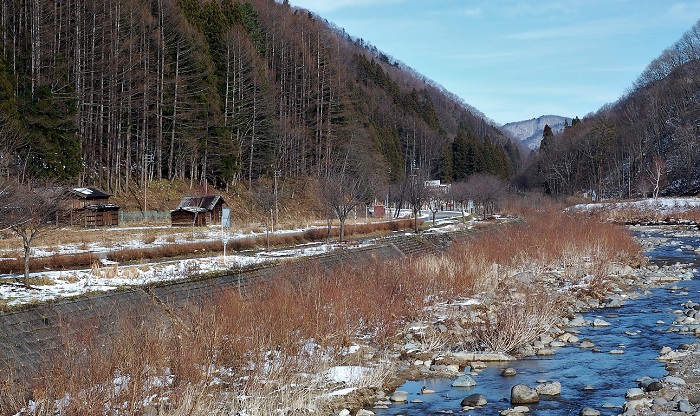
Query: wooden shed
88, 207
198, 211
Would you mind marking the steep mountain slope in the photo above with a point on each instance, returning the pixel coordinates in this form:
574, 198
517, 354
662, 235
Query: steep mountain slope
645, 144
529, 132
225, 92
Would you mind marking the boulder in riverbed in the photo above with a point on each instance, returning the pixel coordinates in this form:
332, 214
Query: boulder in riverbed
600, 322
651, 384
523, 394
464, 381
549, 389
578, 320
474, 400
674, 380
634, 393
637, 405
586, 343
684, 406
399, 396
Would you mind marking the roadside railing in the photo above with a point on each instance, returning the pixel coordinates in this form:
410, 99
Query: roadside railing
143, 216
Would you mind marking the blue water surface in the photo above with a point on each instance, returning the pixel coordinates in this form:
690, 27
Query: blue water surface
609, 375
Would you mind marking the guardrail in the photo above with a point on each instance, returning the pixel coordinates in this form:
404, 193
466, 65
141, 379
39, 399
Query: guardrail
141, 216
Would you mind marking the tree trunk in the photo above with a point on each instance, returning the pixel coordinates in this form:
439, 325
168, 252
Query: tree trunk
27, 250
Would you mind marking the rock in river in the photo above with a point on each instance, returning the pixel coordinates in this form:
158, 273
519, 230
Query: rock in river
549, 389
586, 343
522, 394
651, 384
464, 381
474, 400
674, 380
600, 322
399, 396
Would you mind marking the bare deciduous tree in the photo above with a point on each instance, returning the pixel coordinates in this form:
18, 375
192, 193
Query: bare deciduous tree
436, 200
459, 193
656, 174
342, 192
415, 193
486, 191
264, 196
27, 213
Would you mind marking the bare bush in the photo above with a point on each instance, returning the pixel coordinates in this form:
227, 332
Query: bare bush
274, 340
510, 323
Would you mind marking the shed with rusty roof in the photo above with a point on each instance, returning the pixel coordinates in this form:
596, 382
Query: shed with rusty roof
198, 211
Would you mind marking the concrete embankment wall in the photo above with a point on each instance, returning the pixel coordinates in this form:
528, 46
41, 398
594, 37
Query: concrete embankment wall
34, 333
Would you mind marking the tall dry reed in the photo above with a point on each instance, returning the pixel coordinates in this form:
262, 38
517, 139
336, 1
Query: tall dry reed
271, 344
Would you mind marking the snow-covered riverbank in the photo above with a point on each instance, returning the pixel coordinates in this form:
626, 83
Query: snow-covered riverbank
677, 391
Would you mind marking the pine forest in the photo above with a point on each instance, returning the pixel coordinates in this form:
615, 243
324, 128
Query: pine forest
117, 93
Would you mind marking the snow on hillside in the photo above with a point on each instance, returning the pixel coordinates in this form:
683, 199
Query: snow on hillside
529, 132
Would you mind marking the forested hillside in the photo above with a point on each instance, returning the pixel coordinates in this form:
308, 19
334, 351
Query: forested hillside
645, 144
117, 92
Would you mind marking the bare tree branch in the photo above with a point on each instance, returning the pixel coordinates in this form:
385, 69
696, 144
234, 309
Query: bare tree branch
342, 193
28, 212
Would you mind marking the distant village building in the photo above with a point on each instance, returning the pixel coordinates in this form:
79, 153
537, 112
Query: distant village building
436, 184
198, 211
88, 207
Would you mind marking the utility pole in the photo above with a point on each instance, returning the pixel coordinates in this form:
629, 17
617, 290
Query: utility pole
278, 174
147, 160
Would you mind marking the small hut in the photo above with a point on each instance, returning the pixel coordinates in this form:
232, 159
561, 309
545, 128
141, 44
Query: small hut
88, 207
198, 211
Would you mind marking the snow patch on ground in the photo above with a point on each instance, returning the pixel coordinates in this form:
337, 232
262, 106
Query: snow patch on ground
110, 275
662, 205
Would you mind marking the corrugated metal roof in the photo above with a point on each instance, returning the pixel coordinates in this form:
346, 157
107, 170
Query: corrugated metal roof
89, 192
200, 203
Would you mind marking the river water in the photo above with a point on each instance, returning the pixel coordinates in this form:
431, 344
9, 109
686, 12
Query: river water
607, 376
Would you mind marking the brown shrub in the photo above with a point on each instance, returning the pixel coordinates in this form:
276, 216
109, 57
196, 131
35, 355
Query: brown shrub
53, 262
250, 243
266, 332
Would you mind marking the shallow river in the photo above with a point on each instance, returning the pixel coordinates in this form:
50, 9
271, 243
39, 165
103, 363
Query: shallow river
609, 375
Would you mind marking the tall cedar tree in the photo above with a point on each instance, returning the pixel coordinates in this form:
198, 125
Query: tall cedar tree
118, 93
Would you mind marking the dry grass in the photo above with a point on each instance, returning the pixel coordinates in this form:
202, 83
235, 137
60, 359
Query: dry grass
267, 345
172, 249
515, 318
208, 248
53, 262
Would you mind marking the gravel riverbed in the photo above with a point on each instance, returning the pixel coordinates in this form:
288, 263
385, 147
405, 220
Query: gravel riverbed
419, 351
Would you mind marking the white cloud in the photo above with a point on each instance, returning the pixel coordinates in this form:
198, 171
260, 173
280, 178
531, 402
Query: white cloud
325, 6
593, 29
552, 8
684, 11
473, 12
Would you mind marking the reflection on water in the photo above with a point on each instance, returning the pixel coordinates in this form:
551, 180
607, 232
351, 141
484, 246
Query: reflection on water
608, 376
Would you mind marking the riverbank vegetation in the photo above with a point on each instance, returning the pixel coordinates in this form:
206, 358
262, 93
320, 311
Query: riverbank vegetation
166, 243
278, 347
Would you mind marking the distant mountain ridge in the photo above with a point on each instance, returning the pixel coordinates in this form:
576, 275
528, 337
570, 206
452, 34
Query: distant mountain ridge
529, 132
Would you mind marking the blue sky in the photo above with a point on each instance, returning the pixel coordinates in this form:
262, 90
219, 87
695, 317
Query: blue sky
515, 60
